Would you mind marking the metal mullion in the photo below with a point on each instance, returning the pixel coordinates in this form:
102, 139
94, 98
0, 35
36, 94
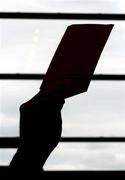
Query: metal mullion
66, 16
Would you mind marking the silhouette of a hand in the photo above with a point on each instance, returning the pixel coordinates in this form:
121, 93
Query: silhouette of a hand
40, 131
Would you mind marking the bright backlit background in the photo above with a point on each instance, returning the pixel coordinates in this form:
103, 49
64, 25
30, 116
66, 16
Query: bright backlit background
27, 46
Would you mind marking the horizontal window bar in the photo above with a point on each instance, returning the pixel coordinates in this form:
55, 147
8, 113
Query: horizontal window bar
22, 76
71, 174
13, 142
91, 16
92, 139
41, 76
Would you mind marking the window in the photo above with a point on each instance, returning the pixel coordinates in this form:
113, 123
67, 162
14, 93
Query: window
27, 46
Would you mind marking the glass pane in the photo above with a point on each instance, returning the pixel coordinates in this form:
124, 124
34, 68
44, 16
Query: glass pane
99, 112
12, 95
6, 155
27, 46
87, 156
83, 6
79, 156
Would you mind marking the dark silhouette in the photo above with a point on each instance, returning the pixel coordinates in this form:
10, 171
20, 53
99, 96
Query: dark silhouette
40, 132
69, 73
76, 57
